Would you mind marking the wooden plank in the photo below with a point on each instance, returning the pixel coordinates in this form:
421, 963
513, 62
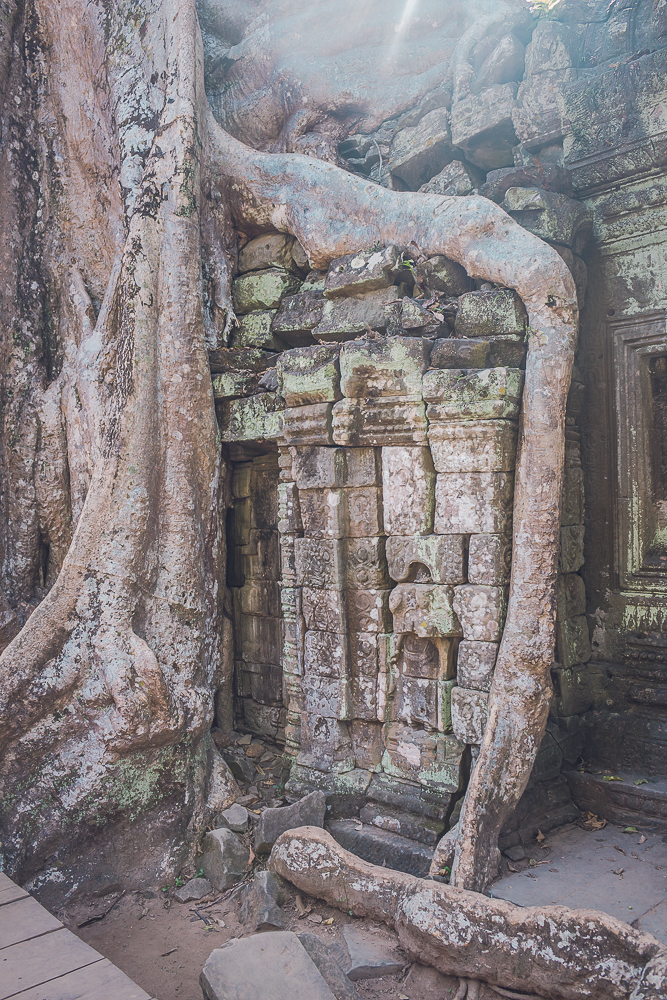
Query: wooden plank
101, 981
31, 963
9, 891
24, 919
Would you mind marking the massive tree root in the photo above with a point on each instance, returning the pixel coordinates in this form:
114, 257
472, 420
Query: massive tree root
114, 672
550, 951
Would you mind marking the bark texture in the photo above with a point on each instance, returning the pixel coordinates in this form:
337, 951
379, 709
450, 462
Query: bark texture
106, 693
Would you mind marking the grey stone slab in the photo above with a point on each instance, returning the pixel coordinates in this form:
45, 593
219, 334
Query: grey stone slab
308, 811
583, 874
224, 859
196, 888
322, 956
271, 966
373, 954
380, 847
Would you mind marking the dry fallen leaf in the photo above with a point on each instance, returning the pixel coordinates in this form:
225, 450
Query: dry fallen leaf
618, 871
619, 849
589, 821
328, 922
511, 867
540, 837
642, 839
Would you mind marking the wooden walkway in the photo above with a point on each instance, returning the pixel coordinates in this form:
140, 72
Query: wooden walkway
41, 960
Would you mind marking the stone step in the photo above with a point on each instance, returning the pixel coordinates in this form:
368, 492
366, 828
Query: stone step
380, 847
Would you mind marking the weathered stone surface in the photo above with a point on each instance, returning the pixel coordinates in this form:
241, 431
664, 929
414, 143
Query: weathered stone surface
357, 273
504, 64
224, 859
439, 274
460, 354
372, 953
475, 664
392, 366
481, 611
549, 215
261, 639
233, 385
229, 359
260, 904
327, 697
289, 508
423, 756
263, 289
471, 935
473, 445
553, 46
408, 490
339, 513
488, 394
482, 126
193, 890
367, 610
308, 811
363, 512
382, 847
252, 419
489, 560
309, 375
425, 609
306, 426
443, 556
458, 179
391, 818
235, 818
573, 496
473, 503
483, 314
267, 251
507, 351
572, 641
570, 596
469, 714
254, 330
372, 423
419, 152
366, 566
527, 172
538, 114
329, 968
345, 319
422, 980
419, 322
328, 468
270, 966
571, 548
319, 563
297, 316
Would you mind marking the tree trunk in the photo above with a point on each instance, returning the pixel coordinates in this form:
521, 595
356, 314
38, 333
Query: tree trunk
106, 693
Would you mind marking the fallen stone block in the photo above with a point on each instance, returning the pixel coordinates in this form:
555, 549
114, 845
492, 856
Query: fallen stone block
457, 178
235, 818
418, 152
482, 126
442, 555
262, 289
489, 313
460, 353
547, 950
308, 811
331, 971
489, 394
373, 954
425, 609
260, 904
345, 319
473, 445
392, 366
380, 847
469, 714
475, 664
193, 890
408, 490
419, 322
358, 273
224, 859
309, 375
297, 317
271, 966
267, 251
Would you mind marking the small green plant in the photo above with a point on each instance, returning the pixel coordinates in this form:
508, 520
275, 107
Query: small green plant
179, 881
200, 873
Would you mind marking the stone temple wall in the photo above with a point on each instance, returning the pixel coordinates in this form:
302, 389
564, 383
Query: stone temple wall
370, 530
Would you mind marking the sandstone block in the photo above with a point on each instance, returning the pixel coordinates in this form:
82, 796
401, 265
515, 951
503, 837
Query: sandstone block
439, 274
235, 818
550, 215
425, 609
260, 904
309, 375
473, 503
419, 322
319, 563
504, 64
416, 702
366, 610
419, 755
224, 859
408, 490
476, 663
571, 548
538, 115
443, 556
372, 954
571, 597
481, 611
260, 558
366, 566
345, 319
323, 513
357, 273
254, 330
194, 890
260, 597
230, 359
329, 967
489, 560
363, 512
307, 426
553, 46
458, 179
473, 445
267, 251
262, 289
506, 350
482, 126
573, 496
251, 419
482, 314
470, 711
491, 393
419, 152
261, 639
392, 366
460, 354
395, 420
329, 468
297, 317
327, 697
572, 641
367, 743
308, 811
289, 508
233, 385
241, 481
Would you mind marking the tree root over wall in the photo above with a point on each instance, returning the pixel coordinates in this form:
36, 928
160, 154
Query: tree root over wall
549, 951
